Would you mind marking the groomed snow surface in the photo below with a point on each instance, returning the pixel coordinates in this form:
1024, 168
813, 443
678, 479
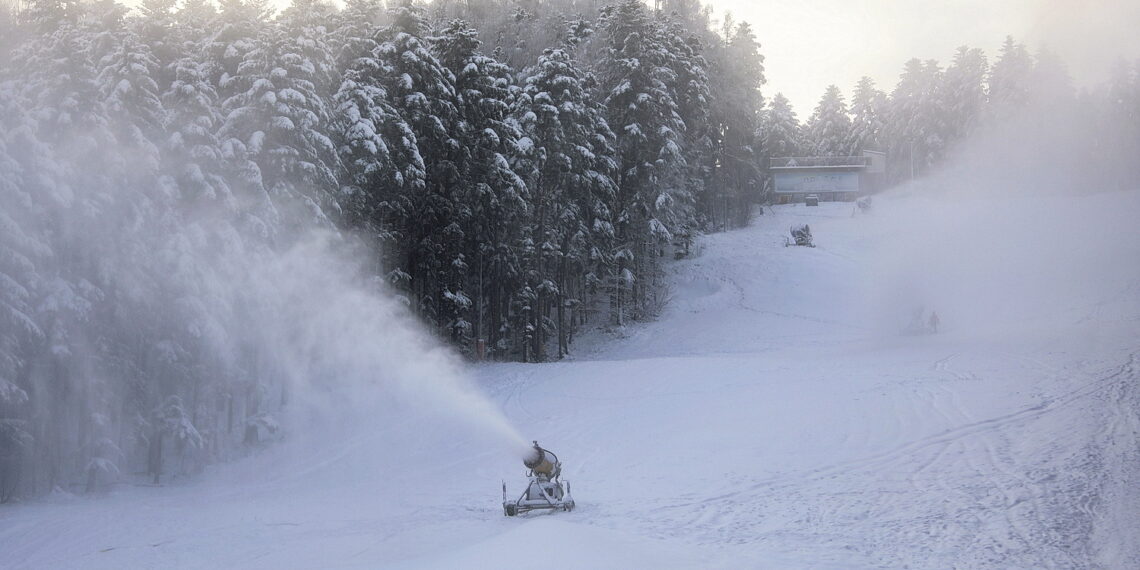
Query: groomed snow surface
774, 416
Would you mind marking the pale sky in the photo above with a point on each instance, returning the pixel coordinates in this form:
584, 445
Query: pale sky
810, 44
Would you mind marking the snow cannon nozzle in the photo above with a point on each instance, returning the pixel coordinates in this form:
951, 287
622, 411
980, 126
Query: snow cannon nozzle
541, 461
534, 456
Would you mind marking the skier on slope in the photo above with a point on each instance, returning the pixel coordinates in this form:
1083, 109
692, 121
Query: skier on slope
934, 322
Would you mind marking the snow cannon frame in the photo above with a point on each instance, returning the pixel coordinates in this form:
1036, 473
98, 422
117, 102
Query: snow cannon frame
544, 491
801, 235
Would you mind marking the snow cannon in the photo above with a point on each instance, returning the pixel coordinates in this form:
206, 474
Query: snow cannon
544, 489
801, 235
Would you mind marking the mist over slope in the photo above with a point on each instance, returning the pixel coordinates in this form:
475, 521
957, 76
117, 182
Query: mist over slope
1008, 262
773, 417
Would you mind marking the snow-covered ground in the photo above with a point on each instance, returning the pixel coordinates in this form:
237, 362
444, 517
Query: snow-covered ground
773, 417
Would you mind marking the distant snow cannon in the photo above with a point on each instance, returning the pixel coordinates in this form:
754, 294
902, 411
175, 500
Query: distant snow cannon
801, 235
545, 490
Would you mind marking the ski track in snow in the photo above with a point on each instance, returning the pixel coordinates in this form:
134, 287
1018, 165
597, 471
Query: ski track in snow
761, 422
997, 486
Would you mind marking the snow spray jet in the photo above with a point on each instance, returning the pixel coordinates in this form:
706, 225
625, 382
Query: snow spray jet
351, 353
236, 334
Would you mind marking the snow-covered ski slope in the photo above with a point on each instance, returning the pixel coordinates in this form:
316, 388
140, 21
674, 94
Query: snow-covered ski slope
772, 417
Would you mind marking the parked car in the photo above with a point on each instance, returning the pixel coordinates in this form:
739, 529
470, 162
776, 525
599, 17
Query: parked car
811, 200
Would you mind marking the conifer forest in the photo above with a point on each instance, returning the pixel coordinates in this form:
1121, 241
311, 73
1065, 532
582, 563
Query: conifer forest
512, 172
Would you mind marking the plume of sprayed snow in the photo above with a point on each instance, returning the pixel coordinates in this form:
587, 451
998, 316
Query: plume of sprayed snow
1017, 234
351, 356
1089, 34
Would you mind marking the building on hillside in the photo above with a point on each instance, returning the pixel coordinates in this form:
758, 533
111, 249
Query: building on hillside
831, 178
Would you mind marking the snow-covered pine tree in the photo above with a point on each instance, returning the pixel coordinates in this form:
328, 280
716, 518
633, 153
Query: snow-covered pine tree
278, 119
211, 219
132, 101
867, 105
68, 139
47, 16
233, 33
281, 165
152, 245
915, 125
191, 27
965, 92
383, 166
191, 153
21, 252
639, 92
528, 257
155, 26
779, 135
170, 420
63, 136
694, 99
903, 122
569, 188
781, 129
354, 30
829, 128
307, 43
601, 199
742, 75
490, 190
693, 95
1009, 80
422, 91
238, 25
935, 117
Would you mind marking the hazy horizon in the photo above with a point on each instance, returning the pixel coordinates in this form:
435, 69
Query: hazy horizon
875, 38
808, 46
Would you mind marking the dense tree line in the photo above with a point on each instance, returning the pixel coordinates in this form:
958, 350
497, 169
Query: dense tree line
932, 110
514, 170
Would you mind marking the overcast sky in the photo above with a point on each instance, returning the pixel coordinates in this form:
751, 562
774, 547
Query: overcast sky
809, 45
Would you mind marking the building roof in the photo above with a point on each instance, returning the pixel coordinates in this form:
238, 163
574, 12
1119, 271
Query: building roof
816, 162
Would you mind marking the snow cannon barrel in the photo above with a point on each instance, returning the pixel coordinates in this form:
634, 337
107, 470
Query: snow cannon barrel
539, 461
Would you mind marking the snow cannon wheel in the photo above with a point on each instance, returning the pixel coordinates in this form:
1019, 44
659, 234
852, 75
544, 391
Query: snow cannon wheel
510, 510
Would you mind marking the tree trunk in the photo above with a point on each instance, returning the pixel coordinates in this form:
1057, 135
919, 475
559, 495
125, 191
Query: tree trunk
538, 316
154, 457
563, 282
494, 321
